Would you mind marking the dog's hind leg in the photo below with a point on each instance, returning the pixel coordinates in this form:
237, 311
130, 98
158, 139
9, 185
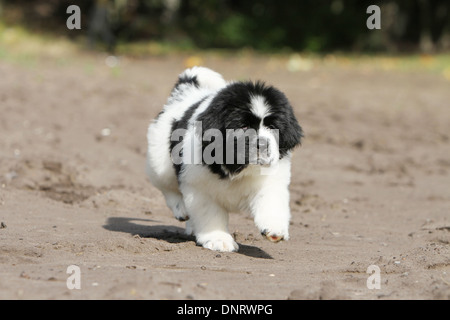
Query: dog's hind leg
174, 201
208, 222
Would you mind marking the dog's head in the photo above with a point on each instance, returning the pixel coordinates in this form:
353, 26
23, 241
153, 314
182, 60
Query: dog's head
257, 127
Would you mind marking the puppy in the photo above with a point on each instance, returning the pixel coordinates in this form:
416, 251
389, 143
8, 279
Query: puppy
219, 147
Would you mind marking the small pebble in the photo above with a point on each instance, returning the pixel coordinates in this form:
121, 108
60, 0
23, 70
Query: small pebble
106, 132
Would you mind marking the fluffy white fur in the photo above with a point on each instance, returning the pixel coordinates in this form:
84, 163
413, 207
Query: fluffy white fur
202, 197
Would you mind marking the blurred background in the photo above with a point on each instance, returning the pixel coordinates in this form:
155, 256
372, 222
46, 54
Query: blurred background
283, 26
370, 182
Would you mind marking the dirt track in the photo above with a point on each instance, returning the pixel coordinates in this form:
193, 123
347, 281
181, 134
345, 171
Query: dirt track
370, 186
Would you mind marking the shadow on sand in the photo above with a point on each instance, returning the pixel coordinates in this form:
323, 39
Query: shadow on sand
171, 234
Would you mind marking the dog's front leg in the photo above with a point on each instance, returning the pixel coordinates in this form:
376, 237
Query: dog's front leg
271, 212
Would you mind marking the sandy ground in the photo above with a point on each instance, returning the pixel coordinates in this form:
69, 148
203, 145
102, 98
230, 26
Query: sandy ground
370, 186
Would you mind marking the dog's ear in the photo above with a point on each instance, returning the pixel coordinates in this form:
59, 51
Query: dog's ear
292, 132
283, 118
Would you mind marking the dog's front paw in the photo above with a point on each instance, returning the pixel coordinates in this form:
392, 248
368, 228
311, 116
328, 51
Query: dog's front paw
275, 236
274, 227
218, 241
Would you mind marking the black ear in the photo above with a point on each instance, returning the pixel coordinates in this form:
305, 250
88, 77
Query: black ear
294, 132
283, 118
290, 136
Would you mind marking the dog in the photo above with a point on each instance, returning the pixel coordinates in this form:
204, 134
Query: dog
219, 147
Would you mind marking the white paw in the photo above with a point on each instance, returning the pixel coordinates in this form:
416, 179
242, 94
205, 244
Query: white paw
275, 236
273, 229
218, 241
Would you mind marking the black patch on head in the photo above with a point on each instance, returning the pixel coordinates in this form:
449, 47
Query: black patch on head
231, 109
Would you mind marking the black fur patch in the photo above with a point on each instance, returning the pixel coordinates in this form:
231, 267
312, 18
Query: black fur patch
184, 79
231, 109
182, 124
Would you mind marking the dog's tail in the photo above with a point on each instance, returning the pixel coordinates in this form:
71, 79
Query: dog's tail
201, 77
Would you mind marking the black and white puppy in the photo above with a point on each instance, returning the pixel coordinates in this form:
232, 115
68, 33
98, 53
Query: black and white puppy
221, 147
